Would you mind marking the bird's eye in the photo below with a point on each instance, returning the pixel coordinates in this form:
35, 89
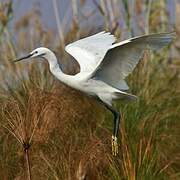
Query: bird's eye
36, 52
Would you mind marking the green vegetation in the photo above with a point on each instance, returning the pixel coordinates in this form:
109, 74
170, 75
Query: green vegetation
68, 133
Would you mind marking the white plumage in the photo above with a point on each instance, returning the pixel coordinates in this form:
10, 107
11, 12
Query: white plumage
104, 65
90, 51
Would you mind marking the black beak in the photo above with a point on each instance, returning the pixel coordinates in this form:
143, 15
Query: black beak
25, 57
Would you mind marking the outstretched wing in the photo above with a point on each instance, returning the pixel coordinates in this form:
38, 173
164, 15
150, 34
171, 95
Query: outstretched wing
90, 51
122, 58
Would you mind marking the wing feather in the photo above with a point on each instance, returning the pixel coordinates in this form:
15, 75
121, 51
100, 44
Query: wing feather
90, 51
123, 57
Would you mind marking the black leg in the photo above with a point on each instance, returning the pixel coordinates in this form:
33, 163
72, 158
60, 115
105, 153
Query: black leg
117, 117
116, 123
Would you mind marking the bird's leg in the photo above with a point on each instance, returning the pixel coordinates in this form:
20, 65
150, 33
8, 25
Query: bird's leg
117, 117
115, 132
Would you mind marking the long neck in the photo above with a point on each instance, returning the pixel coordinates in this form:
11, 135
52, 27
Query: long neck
55, 68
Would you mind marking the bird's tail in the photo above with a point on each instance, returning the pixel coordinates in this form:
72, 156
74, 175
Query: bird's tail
125, 96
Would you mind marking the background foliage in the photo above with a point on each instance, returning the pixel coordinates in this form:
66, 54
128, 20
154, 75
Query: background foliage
68, 133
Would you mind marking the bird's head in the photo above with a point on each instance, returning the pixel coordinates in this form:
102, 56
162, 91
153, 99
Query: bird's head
40, 52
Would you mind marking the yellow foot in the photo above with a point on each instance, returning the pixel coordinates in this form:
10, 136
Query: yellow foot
114, 146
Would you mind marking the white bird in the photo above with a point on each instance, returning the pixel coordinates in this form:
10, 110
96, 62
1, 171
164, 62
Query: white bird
104, 65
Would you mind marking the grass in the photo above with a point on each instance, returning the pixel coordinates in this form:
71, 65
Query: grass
69, 133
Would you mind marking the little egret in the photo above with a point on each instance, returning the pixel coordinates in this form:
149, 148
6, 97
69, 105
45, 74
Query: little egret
104, 65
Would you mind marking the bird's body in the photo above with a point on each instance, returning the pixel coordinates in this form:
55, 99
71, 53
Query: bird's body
89, 86
104, 66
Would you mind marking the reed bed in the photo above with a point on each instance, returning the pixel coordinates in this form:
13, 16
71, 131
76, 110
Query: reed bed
50, 131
